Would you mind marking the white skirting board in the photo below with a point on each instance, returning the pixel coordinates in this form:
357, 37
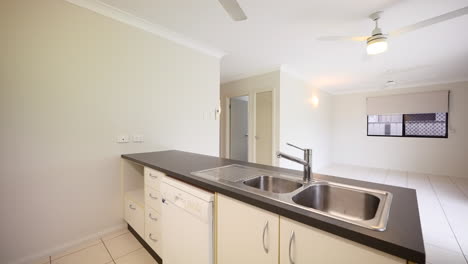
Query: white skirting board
67, 245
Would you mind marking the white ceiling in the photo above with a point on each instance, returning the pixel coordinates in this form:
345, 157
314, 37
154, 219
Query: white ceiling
280, 32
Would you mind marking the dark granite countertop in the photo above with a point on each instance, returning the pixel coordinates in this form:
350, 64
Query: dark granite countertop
402, 238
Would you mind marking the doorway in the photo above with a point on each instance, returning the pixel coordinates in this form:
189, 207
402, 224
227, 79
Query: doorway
239, 128
250, 127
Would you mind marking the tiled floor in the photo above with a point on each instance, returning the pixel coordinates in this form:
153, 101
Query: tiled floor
443, 206
120, 247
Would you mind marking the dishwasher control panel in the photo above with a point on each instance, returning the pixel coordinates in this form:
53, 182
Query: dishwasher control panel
191, 199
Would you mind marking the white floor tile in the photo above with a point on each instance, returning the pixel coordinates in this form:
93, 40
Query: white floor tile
455, 205
396, 178
122, 245
358, 173
437, 255
462, 183
419, 181
140, 256
377, 175
115, 234
96, 254
76, 248
435, 227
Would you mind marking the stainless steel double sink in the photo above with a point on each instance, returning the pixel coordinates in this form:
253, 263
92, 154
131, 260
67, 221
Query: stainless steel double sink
364, 207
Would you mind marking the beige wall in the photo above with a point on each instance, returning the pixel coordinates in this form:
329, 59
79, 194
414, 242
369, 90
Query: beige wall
71, 81
303, 123
427, 155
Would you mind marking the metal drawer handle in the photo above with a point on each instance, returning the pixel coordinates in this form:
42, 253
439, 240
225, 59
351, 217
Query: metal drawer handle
152, 218
150, 237
131, 207
153, 197
290, 247
153, 176
265, 228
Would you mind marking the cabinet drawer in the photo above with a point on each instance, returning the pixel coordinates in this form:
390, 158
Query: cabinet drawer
135, 216
153, 199
154, 241
152, 221
153, 178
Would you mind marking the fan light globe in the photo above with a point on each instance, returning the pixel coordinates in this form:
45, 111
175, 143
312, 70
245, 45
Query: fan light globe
377, 46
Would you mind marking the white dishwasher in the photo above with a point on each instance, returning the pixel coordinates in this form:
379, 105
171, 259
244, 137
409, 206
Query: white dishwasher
187, 223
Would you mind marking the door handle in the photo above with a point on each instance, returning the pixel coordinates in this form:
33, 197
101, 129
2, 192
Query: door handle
265, 229
291, 238
152, 218
151, 237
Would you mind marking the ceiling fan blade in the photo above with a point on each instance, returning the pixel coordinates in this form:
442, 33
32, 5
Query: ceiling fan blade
430, 21
339, 38
234, 10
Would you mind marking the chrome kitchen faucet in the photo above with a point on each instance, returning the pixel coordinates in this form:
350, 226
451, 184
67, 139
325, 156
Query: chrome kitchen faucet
306, 162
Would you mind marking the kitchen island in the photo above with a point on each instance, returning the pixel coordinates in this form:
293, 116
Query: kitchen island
402, 237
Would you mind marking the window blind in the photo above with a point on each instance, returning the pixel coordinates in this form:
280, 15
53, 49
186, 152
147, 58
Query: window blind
412, 103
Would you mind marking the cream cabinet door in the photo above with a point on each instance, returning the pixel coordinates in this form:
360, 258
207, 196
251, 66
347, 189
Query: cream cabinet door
245, 234
302, 244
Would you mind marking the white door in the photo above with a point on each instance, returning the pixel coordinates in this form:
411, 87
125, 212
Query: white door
302, 244
264, 127
239, 126
245, 234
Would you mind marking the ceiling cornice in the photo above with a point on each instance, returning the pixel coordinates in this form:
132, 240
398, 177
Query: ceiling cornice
249, 74
132, 20
416, 85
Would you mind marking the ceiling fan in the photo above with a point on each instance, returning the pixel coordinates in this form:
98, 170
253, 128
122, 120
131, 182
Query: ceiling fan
377, 42
233, 9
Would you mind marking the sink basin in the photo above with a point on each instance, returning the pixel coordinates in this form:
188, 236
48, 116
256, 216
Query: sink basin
364, 207
273, 184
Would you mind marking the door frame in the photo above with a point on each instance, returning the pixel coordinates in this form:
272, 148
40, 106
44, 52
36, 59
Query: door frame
252, 94
228, 126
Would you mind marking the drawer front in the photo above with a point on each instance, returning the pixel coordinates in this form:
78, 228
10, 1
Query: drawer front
153, 178
153, 199
154, 241
152, 221
135, 216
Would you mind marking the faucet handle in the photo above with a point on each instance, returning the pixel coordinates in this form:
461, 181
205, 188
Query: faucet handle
294, 146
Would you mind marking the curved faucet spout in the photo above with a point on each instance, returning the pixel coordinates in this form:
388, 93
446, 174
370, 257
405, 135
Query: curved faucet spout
306, 162
291, 158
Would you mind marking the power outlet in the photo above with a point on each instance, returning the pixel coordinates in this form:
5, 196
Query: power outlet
138, 138
123, 139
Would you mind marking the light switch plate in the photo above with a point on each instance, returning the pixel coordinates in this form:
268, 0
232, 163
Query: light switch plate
123, 139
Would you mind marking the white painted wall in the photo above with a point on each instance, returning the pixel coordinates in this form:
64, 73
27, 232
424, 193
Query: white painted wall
70, 82
302, 123
427, 155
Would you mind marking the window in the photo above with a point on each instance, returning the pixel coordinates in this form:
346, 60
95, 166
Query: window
408, 125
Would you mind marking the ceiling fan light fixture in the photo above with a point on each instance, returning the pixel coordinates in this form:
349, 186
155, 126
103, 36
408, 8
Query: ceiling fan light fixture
377, 44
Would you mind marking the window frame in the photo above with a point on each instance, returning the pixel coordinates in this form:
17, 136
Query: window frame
403, 135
